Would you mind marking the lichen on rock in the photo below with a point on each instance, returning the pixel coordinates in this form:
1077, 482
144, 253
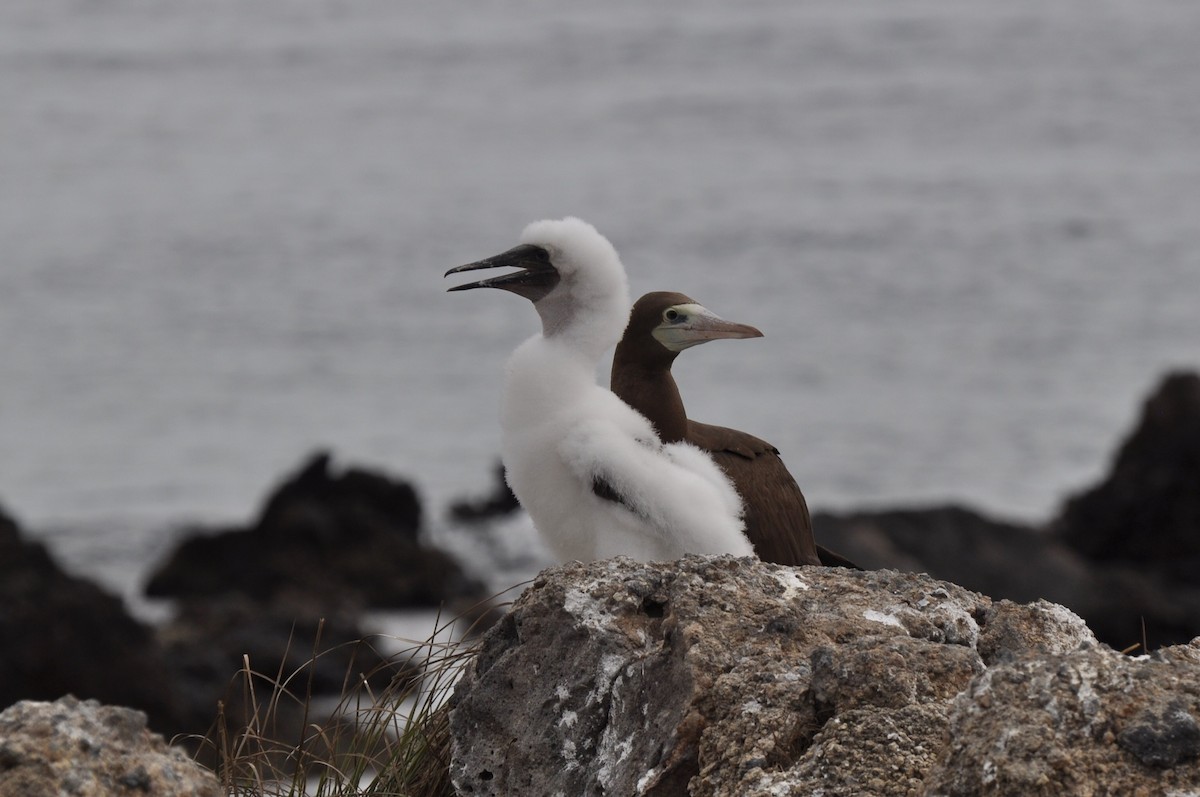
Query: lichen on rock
1088, 722
720, 676
87, 749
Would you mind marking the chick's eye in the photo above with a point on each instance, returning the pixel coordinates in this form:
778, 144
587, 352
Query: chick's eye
671, 314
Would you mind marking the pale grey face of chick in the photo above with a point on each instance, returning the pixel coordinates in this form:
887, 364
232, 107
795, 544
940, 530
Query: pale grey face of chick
534, 278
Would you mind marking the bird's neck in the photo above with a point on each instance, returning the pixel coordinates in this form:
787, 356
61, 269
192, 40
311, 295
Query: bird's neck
589, 328
542, 377
652, 392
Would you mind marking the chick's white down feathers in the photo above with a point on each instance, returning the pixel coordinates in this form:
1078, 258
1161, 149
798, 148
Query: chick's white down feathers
562, 433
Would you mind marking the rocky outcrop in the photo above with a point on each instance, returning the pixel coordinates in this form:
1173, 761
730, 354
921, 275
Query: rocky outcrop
1088, 722
326, 546
1146, 511
86, 749
989, 555
720, 676
1124, 554
348, 536
1124, 604
61, 634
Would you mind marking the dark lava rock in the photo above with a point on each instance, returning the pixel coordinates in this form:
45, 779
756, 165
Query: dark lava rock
324, 650
350, 536
1164, 739
996, 557
245, 664
320, 509
501, 503
60, 634
1147, 510
1124, 554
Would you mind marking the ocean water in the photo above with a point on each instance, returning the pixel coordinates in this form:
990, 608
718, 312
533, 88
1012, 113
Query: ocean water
968, 229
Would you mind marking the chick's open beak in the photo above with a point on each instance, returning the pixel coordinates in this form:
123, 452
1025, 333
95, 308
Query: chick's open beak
534, 278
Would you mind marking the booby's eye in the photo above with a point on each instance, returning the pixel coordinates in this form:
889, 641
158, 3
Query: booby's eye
672, 314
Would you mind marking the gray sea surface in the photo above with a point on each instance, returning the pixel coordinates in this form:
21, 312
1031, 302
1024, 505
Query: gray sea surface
970, 231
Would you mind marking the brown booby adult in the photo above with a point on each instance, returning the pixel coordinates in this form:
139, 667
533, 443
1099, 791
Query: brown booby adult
661, 325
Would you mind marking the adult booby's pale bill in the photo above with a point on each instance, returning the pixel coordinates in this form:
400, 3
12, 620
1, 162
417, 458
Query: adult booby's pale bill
663, 324
590, 471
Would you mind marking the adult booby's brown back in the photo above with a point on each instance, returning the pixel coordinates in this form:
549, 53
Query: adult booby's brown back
661, 325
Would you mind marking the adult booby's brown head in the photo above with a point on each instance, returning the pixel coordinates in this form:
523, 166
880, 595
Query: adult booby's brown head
678, 322
663, 324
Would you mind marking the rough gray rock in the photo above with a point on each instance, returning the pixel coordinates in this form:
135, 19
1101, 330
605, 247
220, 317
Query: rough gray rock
721, 676
1089, 722
83, 748
1122, 602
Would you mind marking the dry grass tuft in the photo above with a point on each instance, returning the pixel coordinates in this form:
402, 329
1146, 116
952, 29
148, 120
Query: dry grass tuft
390, 743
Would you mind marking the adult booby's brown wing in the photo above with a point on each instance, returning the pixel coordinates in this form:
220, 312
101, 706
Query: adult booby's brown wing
777, 519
